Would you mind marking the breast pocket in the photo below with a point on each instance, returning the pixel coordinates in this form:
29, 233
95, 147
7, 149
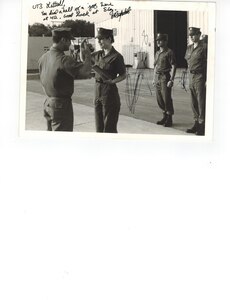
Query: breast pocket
163, 60
101, 63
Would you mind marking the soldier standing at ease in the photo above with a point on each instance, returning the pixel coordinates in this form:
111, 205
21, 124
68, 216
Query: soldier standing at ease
196, 56
163, 64
57, 73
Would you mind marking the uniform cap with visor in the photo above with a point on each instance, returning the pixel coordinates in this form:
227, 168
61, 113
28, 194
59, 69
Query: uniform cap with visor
162, 37
104, 33
194, 31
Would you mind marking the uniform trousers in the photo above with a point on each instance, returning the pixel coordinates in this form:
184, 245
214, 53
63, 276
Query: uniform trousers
106, 116
198, 95
59, 114
107, 107
163, 93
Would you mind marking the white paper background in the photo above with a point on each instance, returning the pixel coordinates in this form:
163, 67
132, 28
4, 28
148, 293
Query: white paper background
112, 219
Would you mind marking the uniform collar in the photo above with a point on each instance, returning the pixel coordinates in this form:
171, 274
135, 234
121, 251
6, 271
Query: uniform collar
112, 50
53, 48
164, 50
198, 45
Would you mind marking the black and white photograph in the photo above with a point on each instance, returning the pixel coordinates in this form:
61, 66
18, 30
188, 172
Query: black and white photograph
128, 199
125, 67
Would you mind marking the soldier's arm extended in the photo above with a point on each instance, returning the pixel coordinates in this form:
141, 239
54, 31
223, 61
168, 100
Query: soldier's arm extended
85, 55
79, 70
85, 69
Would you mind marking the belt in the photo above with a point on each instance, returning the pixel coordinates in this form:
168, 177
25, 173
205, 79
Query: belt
60, 99
162, 73
100, 81
196, 72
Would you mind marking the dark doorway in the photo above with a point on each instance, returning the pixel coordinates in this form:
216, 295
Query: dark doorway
174, 23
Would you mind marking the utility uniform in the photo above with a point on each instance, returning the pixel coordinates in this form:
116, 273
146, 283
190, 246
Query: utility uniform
107, 100
197, 62
57, 73
197, 66
163, 63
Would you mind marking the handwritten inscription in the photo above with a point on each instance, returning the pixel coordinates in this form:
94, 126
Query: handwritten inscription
114, 13
37, 6
58, 9
54, 4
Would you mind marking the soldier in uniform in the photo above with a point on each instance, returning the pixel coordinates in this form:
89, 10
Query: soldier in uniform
109, 70
196, 56
57, 73
163, 64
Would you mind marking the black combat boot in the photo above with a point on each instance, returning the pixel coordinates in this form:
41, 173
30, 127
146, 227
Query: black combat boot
168, 122
201, 129
194, 128
162, 121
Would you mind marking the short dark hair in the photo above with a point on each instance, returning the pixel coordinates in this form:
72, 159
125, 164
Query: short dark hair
56, 39
112, 38
107, 37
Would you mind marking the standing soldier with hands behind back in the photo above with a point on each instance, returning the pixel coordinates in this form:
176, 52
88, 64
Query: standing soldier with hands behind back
196, 56
163, 63
57, 73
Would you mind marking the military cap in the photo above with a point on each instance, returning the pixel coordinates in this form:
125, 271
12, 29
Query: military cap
193, 31
63, 32
104, 33
162, 37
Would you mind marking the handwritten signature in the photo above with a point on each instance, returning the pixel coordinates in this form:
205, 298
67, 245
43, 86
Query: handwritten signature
55, 4
114, 13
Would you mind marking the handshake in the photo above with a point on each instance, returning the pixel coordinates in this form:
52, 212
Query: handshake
86, 45
85, 49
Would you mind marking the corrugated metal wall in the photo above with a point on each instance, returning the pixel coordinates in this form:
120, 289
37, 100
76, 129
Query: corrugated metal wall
134, 34
198, 19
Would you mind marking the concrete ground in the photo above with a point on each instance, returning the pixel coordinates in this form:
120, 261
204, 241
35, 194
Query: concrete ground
138, 114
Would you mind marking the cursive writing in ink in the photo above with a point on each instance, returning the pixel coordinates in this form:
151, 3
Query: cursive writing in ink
55, 4
118, 14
